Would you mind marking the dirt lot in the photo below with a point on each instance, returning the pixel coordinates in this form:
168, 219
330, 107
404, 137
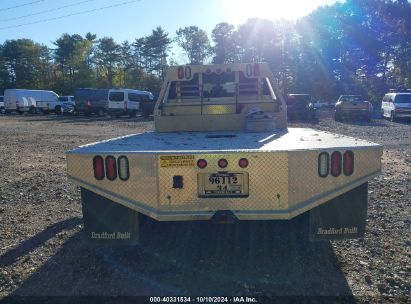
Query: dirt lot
42, 251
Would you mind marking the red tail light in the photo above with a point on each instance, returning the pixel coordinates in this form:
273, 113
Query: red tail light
222, 163
180, 72
243, 162
98, 167
336, 160
201, 163
111, 168
348, 166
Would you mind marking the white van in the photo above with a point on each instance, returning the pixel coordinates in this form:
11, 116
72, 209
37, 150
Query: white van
2, 109
21, 100
127, 101
396, 104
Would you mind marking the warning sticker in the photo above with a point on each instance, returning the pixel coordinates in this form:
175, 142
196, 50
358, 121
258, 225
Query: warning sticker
177, 161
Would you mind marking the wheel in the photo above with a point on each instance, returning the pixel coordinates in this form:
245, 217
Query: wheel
2, 110
57, 110
337, 117
100, 112
392, 116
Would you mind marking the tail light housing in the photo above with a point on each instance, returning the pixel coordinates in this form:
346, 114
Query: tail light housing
336, 160
98, 167
348, 163
323, 164
111, 168
123, 168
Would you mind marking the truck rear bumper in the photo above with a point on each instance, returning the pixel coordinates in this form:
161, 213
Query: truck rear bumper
175, 215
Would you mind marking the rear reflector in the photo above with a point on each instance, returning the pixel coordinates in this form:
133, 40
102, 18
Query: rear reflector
348, 166
123, 168
336, 160
111, 168
323, 164
98, 167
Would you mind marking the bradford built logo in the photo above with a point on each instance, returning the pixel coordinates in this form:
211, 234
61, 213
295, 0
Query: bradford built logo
111, 236
337, 231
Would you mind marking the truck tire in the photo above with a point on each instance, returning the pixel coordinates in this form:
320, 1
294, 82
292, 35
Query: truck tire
100, 112
392, 116
337, 116
57, 110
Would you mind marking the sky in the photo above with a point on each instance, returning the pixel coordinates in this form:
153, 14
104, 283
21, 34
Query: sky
131, 19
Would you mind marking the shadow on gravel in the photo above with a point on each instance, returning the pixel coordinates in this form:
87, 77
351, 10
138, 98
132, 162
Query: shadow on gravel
194, 258
86, 119
371, 123
36, 241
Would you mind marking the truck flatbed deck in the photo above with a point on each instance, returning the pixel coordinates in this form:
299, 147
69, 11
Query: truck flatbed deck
293, 139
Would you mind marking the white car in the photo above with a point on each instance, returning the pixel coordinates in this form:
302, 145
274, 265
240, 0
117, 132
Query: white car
67, 104
2, 109
396, 104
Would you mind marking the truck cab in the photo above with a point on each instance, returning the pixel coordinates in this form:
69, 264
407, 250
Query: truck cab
221, 150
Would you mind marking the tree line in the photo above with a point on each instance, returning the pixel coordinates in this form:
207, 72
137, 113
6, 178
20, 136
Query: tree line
359, 47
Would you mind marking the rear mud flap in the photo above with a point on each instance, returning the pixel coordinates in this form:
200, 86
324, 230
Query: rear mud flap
108, 223
341, 218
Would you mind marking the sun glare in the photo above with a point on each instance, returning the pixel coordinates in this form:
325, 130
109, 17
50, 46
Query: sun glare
238, 11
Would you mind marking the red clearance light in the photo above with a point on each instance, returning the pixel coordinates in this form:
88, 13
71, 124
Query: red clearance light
222, 163
243, 162
111, 168
336, 163
180, 72
201, 163
348, 166
98, 167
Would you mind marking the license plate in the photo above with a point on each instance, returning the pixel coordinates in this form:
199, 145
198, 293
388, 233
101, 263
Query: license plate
223, 184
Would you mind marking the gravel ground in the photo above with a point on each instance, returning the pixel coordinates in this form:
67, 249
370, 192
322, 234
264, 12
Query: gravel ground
42, 251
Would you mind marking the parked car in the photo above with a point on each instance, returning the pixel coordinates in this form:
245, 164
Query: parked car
2, 109
299, 106
114, 101
67, 104
352, 106
396, 104
22, 100
320, 104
